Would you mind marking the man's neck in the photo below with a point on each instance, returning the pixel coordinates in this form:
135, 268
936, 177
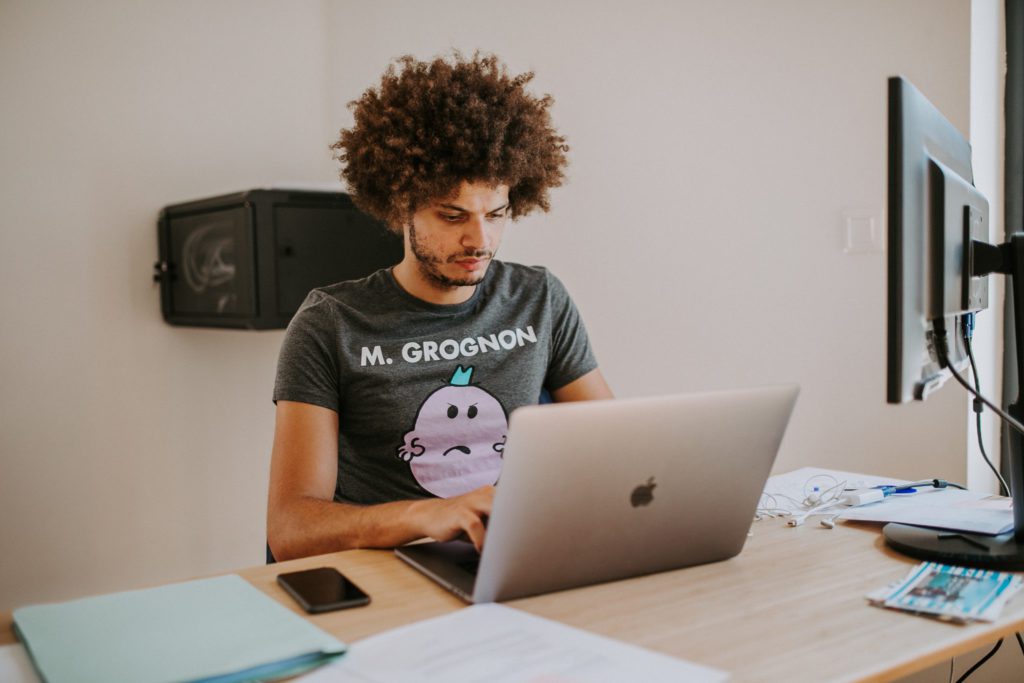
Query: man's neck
416, 284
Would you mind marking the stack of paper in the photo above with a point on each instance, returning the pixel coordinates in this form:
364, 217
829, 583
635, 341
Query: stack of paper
951, 509
949, 592
221, 629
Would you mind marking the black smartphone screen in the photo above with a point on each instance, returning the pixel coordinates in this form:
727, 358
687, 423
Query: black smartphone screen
322, 589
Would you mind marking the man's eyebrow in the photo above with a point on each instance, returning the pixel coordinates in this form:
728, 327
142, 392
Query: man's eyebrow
454, 207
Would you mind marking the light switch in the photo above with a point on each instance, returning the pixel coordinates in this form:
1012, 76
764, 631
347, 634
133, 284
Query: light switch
862, 233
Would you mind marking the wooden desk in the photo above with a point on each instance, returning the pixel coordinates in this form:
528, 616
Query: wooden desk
790, 607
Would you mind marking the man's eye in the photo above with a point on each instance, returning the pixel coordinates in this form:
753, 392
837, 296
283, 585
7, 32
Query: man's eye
496, 216
451, 218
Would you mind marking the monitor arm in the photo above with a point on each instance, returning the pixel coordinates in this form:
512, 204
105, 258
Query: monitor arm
1008, 259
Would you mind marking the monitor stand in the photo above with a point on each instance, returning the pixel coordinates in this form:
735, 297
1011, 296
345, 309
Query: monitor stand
1006, 551
999, 553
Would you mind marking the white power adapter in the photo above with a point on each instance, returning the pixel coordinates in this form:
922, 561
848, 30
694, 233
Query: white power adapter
862, 497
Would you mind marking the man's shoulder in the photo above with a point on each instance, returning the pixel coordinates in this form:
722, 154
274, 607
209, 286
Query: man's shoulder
514, 280
507, 273
349, 292
325, 305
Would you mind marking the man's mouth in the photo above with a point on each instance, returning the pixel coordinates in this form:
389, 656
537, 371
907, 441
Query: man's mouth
476, 257
461, 449
471, 263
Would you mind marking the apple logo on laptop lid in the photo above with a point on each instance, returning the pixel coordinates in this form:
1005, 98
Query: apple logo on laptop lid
643, 495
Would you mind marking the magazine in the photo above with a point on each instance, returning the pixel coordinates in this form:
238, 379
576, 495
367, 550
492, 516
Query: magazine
950, 592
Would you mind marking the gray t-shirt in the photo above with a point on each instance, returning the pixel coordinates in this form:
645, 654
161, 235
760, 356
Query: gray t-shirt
423, 391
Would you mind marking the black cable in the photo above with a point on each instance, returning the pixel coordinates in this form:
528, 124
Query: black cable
994, 408
934, 483
1003, 488
1020, 641
981, 661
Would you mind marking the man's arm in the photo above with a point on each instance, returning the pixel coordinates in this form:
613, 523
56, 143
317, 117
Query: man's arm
303, 519
589, 387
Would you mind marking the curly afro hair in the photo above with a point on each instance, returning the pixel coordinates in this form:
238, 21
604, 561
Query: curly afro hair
432, 125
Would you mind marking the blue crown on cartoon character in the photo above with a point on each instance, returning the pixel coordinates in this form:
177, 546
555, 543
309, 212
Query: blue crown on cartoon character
462, 376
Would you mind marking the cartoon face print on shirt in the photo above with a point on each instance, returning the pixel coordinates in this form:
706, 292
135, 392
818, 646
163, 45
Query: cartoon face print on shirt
457, 442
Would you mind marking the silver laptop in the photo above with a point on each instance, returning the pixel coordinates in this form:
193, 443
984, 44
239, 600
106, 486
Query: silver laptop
603, 490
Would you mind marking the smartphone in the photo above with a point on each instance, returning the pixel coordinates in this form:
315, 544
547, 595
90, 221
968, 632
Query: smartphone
322, 589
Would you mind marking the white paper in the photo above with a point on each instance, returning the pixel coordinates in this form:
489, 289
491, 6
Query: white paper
794, 486
943, 509
496, 644
15, 666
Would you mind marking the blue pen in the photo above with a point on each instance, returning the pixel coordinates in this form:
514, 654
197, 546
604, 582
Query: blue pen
889, 490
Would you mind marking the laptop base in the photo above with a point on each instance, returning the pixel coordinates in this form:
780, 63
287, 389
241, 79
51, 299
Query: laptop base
452, 564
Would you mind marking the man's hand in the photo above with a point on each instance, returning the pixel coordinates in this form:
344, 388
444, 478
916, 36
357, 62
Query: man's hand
445, 519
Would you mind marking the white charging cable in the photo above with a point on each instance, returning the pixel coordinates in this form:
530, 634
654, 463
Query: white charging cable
848, 499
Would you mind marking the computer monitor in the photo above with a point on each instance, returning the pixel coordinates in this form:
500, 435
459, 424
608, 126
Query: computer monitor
930, 181
939, 260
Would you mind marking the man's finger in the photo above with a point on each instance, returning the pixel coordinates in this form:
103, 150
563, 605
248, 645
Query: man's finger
475, 530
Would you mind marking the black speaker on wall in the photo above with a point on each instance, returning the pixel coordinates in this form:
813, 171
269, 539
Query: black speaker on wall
247, 260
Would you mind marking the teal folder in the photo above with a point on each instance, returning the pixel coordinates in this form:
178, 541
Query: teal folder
221, 629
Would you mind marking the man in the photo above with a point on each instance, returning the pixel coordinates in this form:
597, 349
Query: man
393, 392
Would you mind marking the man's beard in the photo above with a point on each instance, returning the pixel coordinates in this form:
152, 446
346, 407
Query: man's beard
428, 264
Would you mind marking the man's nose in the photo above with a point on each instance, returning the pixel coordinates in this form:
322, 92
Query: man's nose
474, 236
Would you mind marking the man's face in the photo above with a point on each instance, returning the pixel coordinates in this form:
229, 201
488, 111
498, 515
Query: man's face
454, 239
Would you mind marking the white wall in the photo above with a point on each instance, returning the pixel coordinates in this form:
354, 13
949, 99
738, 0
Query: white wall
715, 147
988, 75
132, 452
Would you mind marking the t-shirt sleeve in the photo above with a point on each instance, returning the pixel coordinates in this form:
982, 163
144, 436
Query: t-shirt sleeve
571, 355
307, 368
